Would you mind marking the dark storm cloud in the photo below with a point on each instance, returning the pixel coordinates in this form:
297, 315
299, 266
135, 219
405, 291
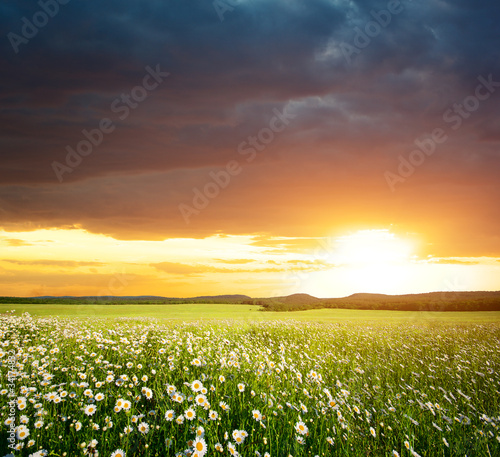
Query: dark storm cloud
65, 78
353, 119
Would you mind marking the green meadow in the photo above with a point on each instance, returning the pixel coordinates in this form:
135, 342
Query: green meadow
192, 312
231, 380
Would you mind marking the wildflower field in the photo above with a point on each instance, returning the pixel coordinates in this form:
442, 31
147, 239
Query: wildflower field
116, 387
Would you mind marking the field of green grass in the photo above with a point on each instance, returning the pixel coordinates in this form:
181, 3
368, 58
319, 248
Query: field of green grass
192, 312
230, 380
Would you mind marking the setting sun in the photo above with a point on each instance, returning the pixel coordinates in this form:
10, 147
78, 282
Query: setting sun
377, 259
373, 247
77, 262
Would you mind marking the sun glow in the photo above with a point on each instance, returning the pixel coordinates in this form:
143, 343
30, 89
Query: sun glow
376, 261
77, 262
373, 247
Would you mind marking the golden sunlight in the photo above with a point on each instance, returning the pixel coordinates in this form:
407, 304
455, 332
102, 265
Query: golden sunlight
373, 247
76, 262
376, 261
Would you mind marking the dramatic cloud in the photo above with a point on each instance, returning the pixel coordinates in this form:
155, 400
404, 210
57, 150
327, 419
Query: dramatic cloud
286, 118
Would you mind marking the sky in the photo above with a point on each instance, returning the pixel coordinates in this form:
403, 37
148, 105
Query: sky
260, 147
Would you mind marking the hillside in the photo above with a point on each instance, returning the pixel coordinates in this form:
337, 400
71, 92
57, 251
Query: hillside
433, 301
118, 300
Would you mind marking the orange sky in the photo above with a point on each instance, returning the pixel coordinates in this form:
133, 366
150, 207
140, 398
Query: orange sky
179, 153
76, 262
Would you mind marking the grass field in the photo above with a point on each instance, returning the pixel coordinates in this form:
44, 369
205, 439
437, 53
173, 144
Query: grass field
230, 380
247, 312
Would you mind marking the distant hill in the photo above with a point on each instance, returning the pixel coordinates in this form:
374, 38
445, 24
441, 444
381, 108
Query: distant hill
433, 301
223, 297
297, 299
126, 299
145, 297
445, 295
111, 297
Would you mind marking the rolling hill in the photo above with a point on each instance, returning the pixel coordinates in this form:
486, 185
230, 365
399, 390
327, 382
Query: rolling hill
433, 301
